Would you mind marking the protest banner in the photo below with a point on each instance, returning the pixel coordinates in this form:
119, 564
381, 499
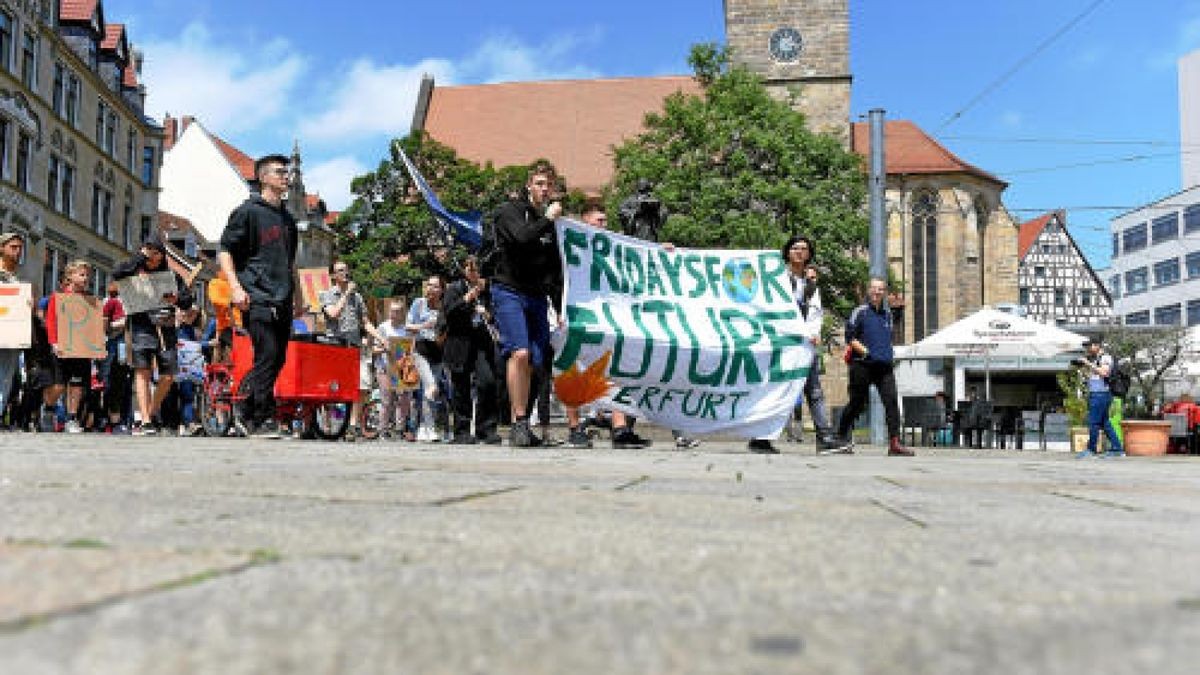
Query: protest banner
191, 361
399, 357
80, 326
144, 292
313, 282
696, 340
16, 316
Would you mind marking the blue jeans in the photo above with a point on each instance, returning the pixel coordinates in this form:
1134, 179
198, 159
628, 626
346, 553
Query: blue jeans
522, 323
1098, 402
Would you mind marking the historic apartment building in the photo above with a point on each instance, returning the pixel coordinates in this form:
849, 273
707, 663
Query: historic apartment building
78, 158
1057, 284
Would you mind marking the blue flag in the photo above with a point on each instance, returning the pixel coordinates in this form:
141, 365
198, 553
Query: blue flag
465, 228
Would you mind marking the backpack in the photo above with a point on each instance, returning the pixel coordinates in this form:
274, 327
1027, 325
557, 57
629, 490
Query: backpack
1119, 380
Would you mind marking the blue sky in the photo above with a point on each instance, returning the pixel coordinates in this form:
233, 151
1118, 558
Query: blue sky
1104, 95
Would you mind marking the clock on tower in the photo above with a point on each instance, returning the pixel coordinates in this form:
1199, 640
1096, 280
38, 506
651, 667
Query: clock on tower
800, 47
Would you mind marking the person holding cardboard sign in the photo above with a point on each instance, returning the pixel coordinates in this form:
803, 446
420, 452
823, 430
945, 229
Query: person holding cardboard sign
11, 247
153, 336
70, 373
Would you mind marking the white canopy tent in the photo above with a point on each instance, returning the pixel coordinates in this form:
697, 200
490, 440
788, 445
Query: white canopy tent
991, 333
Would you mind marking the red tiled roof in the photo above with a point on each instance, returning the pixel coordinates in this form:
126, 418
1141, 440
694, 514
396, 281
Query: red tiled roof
112, 35
76, 10
573, 123
332, 216
909, 150
240, 160
312, 201
1030, 231
129, 78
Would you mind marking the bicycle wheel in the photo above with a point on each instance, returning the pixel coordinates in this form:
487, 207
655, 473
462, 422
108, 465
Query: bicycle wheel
330, 420
214, 408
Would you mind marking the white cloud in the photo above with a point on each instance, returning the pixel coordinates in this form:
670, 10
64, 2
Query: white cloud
229, 90
331, 179
373, 100
506, 59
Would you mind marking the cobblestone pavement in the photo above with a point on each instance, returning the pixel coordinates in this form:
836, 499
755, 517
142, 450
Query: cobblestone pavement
143, 555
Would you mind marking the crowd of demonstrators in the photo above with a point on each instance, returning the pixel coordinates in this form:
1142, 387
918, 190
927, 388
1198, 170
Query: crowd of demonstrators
422, 323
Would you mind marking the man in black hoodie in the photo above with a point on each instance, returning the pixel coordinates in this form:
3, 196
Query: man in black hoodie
525, 273
258, 256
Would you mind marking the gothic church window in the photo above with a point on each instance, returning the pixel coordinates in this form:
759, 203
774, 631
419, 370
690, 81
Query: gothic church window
924, 262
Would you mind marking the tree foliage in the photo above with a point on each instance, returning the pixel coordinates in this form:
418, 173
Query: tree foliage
738, 169
1151, 354
388, 235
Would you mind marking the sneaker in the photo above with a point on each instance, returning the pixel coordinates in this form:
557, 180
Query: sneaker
762, 446
120, 430
1086, 454
491, 439
447, 437
149, 430
521, 436
242, 426
48, 421
896, 449
426, 435
268, 430
832, 445
352, 434
137, 430
578, 438
686, 443
193, 429
1113, 454
626, 439
463, 439
549, 441
73, 427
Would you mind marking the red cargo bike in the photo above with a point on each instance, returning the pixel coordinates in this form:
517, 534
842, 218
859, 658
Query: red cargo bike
314, 392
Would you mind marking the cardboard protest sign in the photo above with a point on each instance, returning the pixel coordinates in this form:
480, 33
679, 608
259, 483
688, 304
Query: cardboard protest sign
191, 361
313, 282
80, 326
400, 348
16, 316
703, 341
144, 292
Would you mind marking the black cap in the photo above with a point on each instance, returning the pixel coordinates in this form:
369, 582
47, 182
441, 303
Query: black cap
155, 243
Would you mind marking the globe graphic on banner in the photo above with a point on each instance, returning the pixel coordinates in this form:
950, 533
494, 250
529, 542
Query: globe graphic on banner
740, 280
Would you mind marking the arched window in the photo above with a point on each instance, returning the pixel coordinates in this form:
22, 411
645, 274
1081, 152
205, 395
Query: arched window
924, 298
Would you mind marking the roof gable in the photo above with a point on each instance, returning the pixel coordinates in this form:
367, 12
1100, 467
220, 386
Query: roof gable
1031, 230
115, 40
243, 163
573, 123
909, 150
79, 10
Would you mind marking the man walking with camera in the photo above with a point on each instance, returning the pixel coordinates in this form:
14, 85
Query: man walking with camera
1097, 366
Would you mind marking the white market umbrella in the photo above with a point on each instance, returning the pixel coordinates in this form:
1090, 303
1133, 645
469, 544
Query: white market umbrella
990, 332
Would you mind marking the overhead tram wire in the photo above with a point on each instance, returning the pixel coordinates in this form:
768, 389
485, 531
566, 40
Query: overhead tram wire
1025, 60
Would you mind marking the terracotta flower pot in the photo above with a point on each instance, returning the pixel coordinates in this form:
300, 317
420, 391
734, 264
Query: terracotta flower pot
1146, 437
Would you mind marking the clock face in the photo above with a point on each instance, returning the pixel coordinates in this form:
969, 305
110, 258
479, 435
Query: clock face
786, 44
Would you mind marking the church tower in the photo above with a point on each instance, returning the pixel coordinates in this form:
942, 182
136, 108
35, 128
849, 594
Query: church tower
801, 46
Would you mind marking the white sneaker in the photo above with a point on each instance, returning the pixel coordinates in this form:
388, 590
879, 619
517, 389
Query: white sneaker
426, 434
73, 427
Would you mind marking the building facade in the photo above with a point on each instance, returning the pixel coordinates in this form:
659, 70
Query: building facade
1057, 285
1154, 277
79, 161
1189, 119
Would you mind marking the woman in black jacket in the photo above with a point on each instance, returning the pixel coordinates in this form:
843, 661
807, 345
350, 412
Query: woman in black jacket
470, 350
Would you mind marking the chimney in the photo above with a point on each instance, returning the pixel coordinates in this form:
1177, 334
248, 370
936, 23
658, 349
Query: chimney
171, 129
187, 122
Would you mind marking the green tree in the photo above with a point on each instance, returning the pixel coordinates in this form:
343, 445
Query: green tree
738, 169
388, 235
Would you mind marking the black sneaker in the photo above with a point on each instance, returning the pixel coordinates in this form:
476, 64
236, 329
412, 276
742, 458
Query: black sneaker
578, 438
832, 445
762, 446
491, 439
463, 439
268, 430
626, 439
521, 436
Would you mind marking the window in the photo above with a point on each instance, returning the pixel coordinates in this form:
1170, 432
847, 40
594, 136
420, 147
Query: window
101, 211
1166, 272
1116, 245
1137, 281
1193, 264
1168, 315
52, 181
148, 165
29, 58
4, 129
110, 134
1062, 248
1085, 297
55, 260
145, 228
1060, 297
1193, 313
1047, 248
924, 256
24, 148
68, 189
131, 149
127, 226
58, 94
1039, 272
1134, 238
1166, 228
72, 103
1141, 318
1024, 297
6, 40
1114, 286
1191, 218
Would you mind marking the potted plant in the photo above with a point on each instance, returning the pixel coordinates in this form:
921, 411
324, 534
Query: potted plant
1148, 353
1075, 404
